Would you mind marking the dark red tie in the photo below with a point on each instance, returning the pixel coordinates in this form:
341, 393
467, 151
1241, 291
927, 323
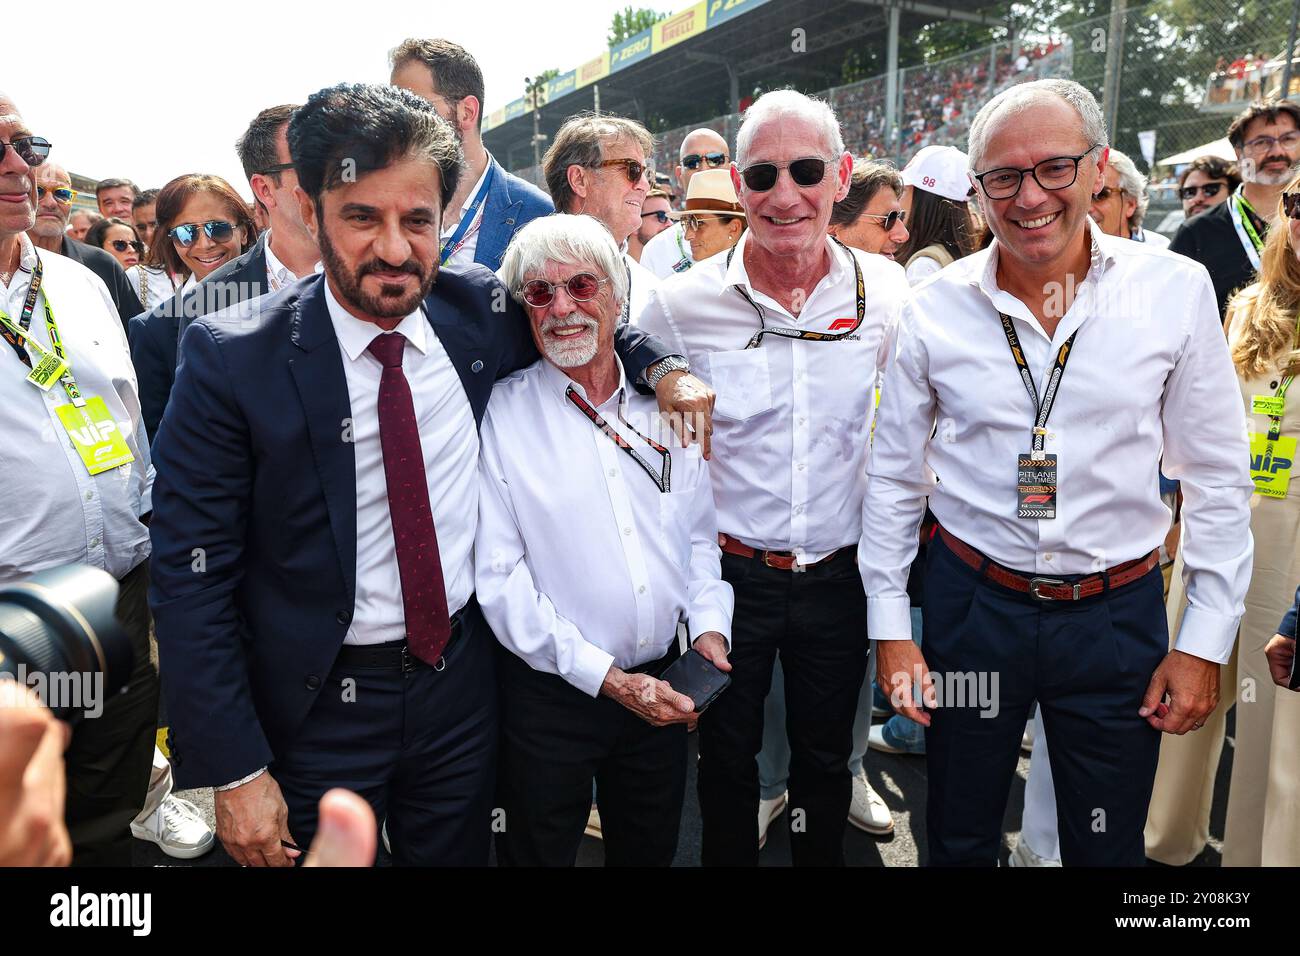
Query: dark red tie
424, 597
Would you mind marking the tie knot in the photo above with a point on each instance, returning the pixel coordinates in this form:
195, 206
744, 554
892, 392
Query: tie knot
388, 347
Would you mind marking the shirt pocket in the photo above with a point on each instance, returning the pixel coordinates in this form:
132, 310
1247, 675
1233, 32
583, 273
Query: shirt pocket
676, 512
742, 382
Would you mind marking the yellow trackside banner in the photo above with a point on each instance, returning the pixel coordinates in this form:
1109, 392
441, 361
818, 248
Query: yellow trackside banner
680, 26
494, 119
593, 70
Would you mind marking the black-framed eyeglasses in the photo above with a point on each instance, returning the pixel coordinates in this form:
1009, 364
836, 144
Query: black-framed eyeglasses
1291, 205
121, 245
277, 168
1059, 172
61, 194
634, 169
889, 220
33, 150
693, 160
581, 286
659, 215
1262, 144
1209, 189
218, 230
805, 172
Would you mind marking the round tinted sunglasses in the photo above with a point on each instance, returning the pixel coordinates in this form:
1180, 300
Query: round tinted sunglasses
218, 230
582, 287
32, 149
693, 160
761, 177
890, 219
121, 245
1210, 189
61, 194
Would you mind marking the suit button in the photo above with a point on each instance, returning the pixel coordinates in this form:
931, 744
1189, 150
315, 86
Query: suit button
313, 682
477, 366
343, 617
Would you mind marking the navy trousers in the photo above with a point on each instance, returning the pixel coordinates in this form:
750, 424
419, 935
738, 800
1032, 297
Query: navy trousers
1087, 663
420, 747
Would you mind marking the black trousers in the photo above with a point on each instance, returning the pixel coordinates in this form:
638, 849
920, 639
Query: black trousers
420, 747
110, 757
555, 740
817, 621
1087, 663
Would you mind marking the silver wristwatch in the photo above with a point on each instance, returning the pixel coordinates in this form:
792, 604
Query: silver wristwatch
673, 363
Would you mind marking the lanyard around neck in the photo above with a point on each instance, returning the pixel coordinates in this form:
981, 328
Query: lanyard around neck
452, 245
16, 334
661, 478
1044, 408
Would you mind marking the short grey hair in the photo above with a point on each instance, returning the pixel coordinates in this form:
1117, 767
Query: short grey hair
1023, 95
1132, 184
778, 103
566, 238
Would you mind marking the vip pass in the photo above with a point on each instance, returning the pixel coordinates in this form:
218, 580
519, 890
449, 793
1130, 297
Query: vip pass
1272, 454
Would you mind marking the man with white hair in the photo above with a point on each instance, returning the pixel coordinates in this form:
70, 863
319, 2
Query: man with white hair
596, 536
1043, 581
1121, 205
669, 253
784, 330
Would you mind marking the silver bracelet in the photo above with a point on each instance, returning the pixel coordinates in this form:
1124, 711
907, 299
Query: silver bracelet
239, 783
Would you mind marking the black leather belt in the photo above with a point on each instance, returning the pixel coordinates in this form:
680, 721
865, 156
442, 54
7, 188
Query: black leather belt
394, 655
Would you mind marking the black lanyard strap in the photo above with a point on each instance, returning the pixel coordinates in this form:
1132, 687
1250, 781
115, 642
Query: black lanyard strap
804, 334
1044, 409
662, 478
25, 318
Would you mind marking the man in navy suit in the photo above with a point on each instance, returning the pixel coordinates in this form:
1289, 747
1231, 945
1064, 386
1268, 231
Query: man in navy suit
490, 205
316, 503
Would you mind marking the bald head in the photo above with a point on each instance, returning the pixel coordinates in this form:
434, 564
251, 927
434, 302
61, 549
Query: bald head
699, 142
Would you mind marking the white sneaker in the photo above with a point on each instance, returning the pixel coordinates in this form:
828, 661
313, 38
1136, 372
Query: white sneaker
769, 810
1022, 855
177, 827
867, 811
1027, 738
876, 741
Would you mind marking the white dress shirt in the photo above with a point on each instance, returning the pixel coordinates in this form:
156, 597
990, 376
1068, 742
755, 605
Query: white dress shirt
56, 512
463, 257
642, 281
792, 418
1149, 374
449, 443
1151, 238
583, 562
278, 275
665, 250
153, 285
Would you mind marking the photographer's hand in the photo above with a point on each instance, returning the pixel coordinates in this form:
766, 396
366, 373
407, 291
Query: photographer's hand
32, 783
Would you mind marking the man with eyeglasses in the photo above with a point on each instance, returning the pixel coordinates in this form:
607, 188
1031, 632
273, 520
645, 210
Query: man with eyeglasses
1227, 239
1036, 386
77, 464
1206, 182
654, 220
791, 328
55, 195
669, 253
597, 167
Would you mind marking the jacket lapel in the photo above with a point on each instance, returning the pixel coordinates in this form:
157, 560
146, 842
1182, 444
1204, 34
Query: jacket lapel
499, 217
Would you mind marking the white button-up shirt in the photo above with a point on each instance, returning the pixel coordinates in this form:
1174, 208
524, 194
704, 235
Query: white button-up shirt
641, 283
666, 250
1149, 375
278, 275
56, 512
449, 444
792, 418
463, 256
582, 562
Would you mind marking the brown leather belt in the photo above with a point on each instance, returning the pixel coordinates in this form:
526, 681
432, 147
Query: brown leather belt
1051, 589
781, 560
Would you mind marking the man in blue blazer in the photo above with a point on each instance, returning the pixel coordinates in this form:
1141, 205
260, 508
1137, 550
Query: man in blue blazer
316, 502
490, 205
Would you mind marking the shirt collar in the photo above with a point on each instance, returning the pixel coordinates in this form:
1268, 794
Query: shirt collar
737, 276
26, 253
1101, 258
469, 200
355, 335
558, 380
283, 274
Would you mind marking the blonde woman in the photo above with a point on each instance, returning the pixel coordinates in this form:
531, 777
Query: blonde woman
1263, 825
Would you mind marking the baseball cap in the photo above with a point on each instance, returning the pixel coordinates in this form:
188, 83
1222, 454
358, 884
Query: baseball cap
940, 170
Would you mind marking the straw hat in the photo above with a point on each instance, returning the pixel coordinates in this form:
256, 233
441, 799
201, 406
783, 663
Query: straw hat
710, 190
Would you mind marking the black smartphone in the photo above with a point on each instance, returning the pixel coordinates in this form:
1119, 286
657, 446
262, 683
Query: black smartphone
694, 675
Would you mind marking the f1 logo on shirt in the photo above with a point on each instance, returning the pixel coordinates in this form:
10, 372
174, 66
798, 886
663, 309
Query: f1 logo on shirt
846, 323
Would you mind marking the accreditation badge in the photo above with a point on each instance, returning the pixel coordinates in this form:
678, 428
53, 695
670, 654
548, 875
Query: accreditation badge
1270, 464
95, 435
1036, 486
47, 371
1267, 405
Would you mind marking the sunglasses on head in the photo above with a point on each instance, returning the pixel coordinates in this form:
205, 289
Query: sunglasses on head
218, 230
1291, 205
61, 194
634, 169
659, 214
32, 149
582, 287
121, 245
761, 177
693, 160
1210, 189
890, 219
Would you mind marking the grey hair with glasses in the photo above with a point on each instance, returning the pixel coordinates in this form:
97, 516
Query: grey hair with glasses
1024, 95
782, 103
567, 239
1132, 184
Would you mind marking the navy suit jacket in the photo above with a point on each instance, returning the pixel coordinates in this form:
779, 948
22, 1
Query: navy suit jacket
511, 204
154, 335
254, 509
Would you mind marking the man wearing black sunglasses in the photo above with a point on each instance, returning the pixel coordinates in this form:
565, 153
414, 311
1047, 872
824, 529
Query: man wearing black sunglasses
669, 253
784, 329
1206, 182
654, 220
50, 233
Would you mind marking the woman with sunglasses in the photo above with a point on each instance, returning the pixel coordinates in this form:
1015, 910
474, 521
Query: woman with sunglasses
935, 191
119, 239
1262, 828
712, 221
202, 224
